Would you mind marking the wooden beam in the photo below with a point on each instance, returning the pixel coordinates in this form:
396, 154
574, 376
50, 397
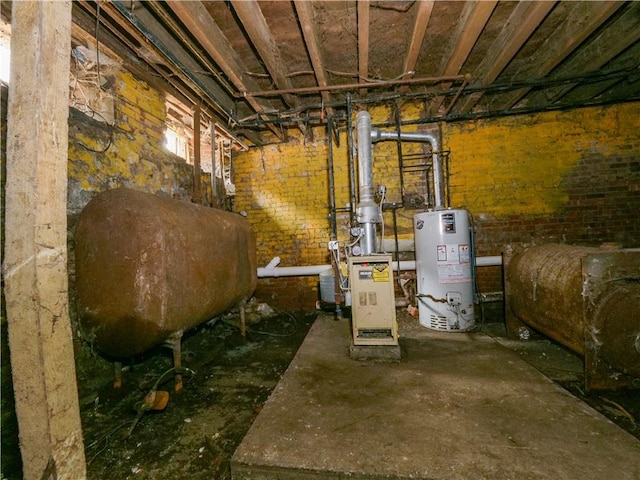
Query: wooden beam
609, 43
169, 49
35, 260
304, 10
255, 25
629, 60
123, 48
581, 21
425, 7
363, 43
197, 20
474, 17
526, 17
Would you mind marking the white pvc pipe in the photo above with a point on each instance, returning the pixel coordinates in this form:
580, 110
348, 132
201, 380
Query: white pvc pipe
489, 261
292, 271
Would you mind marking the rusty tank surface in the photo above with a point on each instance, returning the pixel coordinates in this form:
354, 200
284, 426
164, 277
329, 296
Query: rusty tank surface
150, 267
586, 298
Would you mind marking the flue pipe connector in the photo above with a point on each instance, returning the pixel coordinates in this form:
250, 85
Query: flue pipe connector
367, 211
429, 137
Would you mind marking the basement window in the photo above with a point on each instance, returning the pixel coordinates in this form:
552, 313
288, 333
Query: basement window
177, 142
217, 145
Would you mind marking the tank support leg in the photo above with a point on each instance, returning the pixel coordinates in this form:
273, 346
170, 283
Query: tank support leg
175, 342
117, 374
243, 317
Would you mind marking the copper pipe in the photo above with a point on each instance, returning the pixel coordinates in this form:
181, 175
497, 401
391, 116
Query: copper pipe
352, 86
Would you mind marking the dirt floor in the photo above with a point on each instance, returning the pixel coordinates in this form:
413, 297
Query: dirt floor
228, 380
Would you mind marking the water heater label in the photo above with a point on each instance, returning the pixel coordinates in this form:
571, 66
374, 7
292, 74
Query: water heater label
454, 263
465, 253
454, 273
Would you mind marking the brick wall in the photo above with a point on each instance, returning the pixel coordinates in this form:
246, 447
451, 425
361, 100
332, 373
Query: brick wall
128, 153
559, 177
570, 177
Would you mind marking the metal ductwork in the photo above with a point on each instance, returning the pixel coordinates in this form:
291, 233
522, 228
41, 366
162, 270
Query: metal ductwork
367, 211
425, 137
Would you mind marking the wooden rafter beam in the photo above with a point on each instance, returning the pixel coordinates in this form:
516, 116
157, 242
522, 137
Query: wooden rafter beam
526, 17
474, 17
144, 25
304, 10
425, 7
582, 20
363, 43
256, 26
196, 18
609, 43
629, 61
124, 43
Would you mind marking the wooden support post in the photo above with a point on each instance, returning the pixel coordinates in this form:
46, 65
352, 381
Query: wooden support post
35, 268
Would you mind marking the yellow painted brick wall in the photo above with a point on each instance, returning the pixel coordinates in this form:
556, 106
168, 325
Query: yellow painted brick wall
285, 191
516, 165
570, 177
129, 153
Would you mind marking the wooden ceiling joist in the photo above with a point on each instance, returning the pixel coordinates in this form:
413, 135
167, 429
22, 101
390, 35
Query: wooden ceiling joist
475, 16
255, 24
196, 18
425, 7
304, 10
526, 17
583, 19
363, 43
609, 43
629, 61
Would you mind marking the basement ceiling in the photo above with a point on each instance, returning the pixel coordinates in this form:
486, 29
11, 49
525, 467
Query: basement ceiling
258, 66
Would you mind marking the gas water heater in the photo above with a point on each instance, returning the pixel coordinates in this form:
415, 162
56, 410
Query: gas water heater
444, 270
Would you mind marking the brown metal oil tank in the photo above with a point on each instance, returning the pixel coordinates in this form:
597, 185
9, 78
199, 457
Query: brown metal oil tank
551, 290
149, 266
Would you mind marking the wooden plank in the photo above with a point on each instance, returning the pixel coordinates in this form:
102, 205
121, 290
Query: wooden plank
609, 89
609, 43
196, 18
581, 21
526, 17
475, 16
35, 256
83, 31
304, 10
425, 7
363, 43
255, 25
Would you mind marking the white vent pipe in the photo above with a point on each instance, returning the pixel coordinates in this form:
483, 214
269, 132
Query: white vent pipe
274, 271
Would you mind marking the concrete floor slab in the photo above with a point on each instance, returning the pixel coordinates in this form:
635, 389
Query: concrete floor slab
458, 406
